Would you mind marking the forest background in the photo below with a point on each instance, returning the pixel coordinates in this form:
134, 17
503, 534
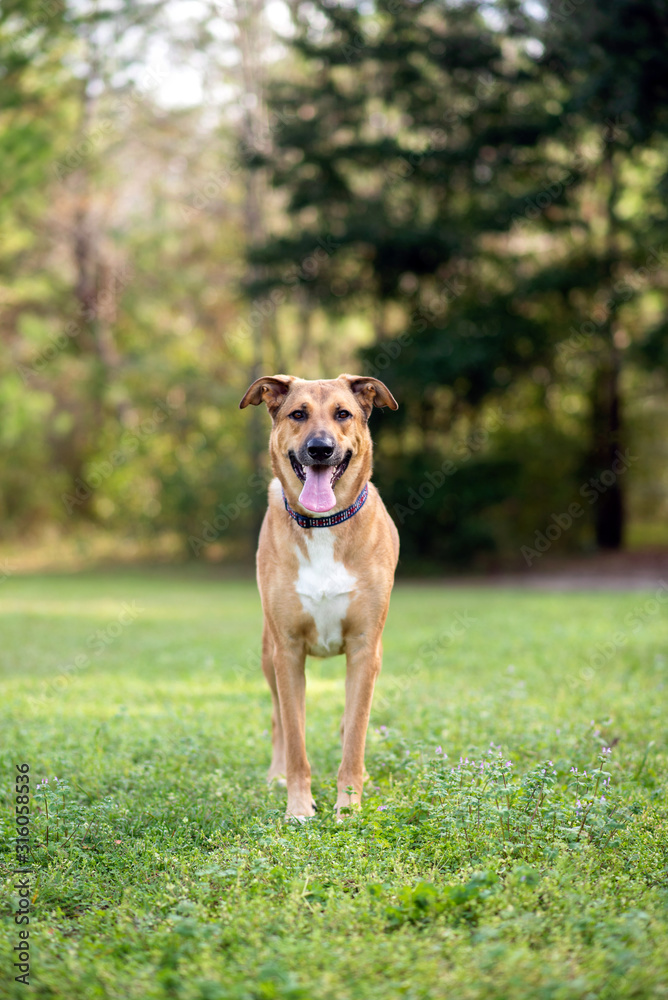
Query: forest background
464, 199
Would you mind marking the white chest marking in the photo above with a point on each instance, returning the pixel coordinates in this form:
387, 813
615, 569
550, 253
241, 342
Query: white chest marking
324, 587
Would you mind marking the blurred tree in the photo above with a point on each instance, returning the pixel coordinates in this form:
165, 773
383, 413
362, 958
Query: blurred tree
609, 59
34, 40
121, 311
476, 193
468, 166
399, 121
35, 44
253, 38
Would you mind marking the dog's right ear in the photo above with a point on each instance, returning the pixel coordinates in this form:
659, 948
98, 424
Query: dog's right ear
272, 390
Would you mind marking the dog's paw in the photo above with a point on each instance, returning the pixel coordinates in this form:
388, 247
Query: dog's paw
301, 815
298, 818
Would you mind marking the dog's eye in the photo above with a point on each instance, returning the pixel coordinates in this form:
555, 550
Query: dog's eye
298, 415
343, 414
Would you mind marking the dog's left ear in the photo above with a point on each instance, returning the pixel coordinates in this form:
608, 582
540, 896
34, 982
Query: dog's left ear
272, 390
370, 392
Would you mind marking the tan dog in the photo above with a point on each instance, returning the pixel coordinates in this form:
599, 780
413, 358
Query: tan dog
325, 587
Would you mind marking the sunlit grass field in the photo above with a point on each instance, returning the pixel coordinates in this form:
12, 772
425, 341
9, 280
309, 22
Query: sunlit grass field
482, 864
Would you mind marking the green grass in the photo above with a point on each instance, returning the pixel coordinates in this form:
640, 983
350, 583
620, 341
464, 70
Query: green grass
169, 871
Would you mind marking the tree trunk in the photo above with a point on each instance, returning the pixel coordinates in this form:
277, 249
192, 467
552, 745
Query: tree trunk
606, 402
609, 509
251, 43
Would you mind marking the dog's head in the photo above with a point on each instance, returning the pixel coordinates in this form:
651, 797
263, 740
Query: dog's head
320, 444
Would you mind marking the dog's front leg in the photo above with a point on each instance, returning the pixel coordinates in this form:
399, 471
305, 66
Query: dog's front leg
362, 669
291, 683
277, 769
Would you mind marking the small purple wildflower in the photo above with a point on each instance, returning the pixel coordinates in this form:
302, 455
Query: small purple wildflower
439, 749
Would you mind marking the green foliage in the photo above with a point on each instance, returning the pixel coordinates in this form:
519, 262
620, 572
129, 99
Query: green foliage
35, 41
468, 203
528, 815
169, 870
485, 202
423, 903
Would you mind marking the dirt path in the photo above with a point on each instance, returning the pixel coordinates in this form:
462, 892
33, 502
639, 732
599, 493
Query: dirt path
646, 570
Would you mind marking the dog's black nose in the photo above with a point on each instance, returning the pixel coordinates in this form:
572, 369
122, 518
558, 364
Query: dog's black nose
320, 449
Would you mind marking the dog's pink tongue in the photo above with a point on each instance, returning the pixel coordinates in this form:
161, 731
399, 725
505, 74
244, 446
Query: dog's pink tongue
317, 494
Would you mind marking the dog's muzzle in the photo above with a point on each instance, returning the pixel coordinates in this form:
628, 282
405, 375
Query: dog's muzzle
319, 471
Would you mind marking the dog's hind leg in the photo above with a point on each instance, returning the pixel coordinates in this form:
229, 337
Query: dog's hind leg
277, 769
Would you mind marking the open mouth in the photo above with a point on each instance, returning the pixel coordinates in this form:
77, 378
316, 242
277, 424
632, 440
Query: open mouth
318, 493
338, 470
298, 469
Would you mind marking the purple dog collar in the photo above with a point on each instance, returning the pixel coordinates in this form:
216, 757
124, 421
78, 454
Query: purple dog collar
330, 519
